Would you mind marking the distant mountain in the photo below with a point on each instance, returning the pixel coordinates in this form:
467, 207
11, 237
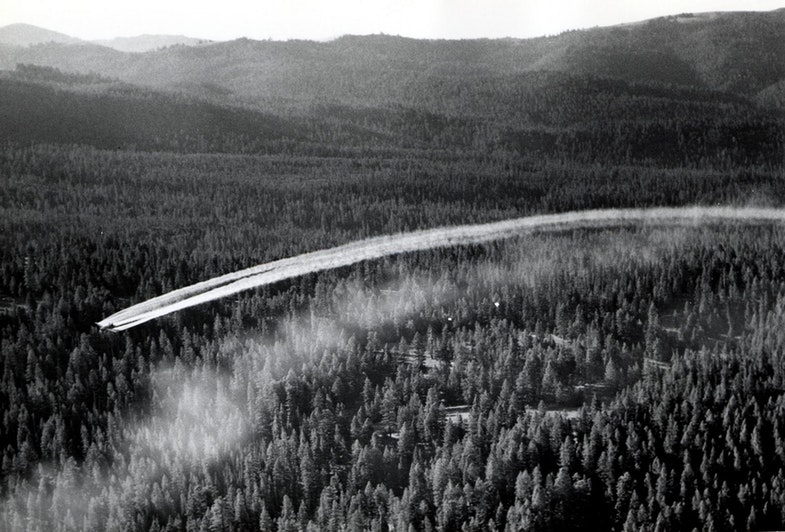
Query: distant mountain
739, 53
82, 59
147, 43
26, 35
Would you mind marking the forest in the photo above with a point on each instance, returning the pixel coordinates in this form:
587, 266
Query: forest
618, 379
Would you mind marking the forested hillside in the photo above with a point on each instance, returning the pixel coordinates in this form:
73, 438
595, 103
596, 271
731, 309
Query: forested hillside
47, 105
625, 379
543, 116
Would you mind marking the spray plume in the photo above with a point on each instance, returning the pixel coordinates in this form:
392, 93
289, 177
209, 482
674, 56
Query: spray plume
377, 247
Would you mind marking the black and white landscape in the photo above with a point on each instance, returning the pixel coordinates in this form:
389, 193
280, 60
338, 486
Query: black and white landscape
493, 284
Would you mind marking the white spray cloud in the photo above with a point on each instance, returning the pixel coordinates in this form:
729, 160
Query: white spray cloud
198, 419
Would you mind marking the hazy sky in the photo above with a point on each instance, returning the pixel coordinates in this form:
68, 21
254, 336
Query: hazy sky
324, 19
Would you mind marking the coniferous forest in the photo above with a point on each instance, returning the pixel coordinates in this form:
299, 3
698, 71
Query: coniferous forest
620, 379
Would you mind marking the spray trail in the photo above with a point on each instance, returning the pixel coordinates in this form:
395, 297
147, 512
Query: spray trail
377, 247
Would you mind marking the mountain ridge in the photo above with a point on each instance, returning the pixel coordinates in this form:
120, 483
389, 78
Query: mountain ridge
149, 42
21, 34
25, 35
738, 52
